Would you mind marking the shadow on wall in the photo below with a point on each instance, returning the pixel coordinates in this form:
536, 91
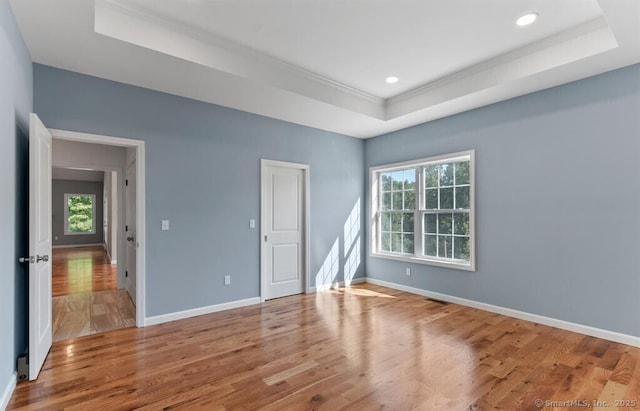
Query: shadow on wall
328, 275
21, 198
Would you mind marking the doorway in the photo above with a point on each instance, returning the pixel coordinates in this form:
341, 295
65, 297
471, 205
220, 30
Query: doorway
86, 295
128, 219
284, 229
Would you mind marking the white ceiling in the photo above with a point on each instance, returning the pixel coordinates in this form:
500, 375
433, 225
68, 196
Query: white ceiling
322, 63
60, 173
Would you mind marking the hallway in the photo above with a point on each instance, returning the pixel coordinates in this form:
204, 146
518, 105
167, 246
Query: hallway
86, 299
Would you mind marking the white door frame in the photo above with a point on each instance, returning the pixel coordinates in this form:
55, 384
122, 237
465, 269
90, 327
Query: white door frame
264, 163
140, 203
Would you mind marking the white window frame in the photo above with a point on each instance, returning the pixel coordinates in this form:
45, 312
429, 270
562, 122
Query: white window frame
417, 256
66, 214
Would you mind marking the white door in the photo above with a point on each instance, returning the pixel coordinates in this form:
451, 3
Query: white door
283, 230
40, 323
130, 230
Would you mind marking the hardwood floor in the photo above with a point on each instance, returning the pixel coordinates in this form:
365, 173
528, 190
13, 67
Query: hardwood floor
364, 348
76, 315
85, 295
82, 269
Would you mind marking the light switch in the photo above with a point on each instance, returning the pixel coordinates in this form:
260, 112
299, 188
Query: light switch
165, 225
252, 223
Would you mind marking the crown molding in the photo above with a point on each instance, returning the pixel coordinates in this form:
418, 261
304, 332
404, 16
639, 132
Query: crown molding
582, 41
232, 57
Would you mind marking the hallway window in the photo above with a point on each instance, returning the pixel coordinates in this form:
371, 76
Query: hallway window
79, 214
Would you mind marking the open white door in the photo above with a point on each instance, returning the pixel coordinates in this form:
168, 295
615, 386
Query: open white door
40, 323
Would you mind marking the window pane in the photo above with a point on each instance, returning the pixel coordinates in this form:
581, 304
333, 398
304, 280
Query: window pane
396, 222
446, 175
431, 176
385, 242
446, 198
409, 200
80, 214
386, 182
461, 224
397, 200
444, 223
398, 178
444, 246
386, 201
431, 198
430, 245
462, 173
396, 242
409, 179
385, 221
461, 248
407, 243
407, 222
462, 197
430, 223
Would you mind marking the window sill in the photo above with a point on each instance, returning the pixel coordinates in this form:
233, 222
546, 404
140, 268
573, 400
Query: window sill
416, 260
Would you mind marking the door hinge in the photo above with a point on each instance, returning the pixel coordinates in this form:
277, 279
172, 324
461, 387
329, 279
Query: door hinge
126, 228
126, 273
126, 182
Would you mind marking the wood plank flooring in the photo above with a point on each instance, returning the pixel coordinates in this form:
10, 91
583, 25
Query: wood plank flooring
76, 315
364, 348
85, 298
82, 269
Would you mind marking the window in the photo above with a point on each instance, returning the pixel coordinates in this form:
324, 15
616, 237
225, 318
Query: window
423, 211
79, 214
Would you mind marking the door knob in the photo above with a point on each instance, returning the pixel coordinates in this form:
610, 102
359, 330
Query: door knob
44, 258
130, 238
30, 259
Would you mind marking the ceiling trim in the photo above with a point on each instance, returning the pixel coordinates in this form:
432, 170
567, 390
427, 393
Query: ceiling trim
143, 27
582, 41
147, 29
67, 34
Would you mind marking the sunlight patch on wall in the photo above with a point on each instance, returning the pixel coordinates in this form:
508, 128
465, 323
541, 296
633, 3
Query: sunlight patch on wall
329, 270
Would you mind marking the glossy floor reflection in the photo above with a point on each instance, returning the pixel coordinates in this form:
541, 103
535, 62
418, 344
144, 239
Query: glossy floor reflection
82, 269
76, 315
348, 349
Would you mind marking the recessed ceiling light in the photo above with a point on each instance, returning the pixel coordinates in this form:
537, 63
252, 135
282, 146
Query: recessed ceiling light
392, 79
526, 19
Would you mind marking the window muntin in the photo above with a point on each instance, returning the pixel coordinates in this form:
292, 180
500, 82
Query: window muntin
423, 211
398, 194
79, 214
446, 216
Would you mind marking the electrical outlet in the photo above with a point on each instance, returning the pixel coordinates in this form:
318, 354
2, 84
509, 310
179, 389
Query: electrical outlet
408, 271
227, 279
165, 225
252, 223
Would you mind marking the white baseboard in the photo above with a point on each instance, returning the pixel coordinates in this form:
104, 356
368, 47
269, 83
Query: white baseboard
77, 245
323, 287
8, 392
552, 322
180, 315
111, 260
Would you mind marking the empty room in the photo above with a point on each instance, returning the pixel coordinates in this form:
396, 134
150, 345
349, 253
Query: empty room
336, 205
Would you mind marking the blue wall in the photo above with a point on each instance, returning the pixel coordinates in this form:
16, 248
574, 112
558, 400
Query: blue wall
203, 174
558, 201
16, 101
